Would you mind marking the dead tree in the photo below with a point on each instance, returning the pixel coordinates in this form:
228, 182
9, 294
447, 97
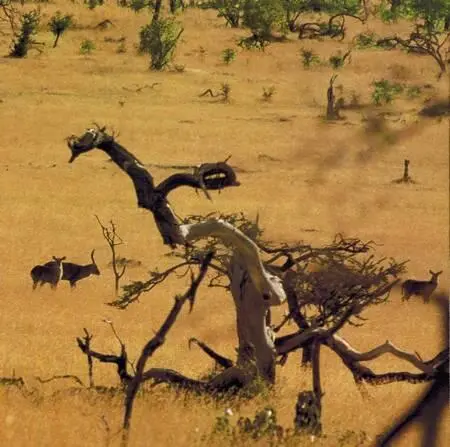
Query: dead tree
336, 294
406, 177
113, 240
9, 14
333, 106
209, 176
335, 27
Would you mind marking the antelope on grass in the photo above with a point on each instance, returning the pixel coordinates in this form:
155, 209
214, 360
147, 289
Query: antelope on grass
420, 288
75, 272
51, 273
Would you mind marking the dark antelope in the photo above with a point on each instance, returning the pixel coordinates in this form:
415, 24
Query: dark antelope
51, 272
420, 288
75, 272
208, 176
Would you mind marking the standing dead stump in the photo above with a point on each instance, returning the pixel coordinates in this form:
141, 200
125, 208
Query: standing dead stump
333, 106
406, 177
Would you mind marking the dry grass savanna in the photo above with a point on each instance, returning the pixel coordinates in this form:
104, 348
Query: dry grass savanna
307, 178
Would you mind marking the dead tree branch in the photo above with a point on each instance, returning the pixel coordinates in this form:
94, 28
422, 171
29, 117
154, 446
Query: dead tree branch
59, 377
152, 197
335, 27
333, 106
113, 240
157, 341
219, 359
10, 14
130, 382
429, 409
120, 360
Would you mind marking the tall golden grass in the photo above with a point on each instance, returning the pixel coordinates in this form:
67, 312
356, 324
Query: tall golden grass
329, 177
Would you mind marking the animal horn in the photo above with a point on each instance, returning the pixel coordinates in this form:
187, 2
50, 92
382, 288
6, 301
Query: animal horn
92, 256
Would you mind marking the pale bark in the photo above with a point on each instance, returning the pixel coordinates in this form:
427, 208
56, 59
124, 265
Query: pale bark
256, 347
268, 286
338, 344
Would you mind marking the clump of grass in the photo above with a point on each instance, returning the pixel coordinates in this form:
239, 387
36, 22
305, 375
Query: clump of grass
413, 91
228, 55
138, 5
309, 58
87, 47
365, 40
263, 426
225, 90
385, 91
179, 68
338, 60
121, 48
268, 93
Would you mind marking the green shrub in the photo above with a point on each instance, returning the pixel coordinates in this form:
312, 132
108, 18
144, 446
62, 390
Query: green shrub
309, 58
231, 11
264, 16
138, 5
159, 40
228, 55
413, 91
365, 40
92, 4
385, 91
23, 42
338, 60
58, 24
87, 46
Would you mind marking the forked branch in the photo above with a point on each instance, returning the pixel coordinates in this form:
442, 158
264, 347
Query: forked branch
133, 382
113, 240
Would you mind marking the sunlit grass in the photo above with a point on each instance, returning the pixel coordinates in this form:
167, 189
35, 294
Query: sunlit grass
320, 184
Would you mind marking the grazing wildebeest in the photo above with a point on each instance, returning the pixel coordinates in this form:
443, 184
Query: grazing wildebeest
420, 288
75, 272
51, 273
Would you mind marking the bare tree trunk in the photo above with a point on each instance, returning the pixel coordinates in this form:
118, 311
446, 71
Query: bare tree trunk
332, 109
58, 35
317, 387
255, 344
254, 290
157, 10
173, 6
